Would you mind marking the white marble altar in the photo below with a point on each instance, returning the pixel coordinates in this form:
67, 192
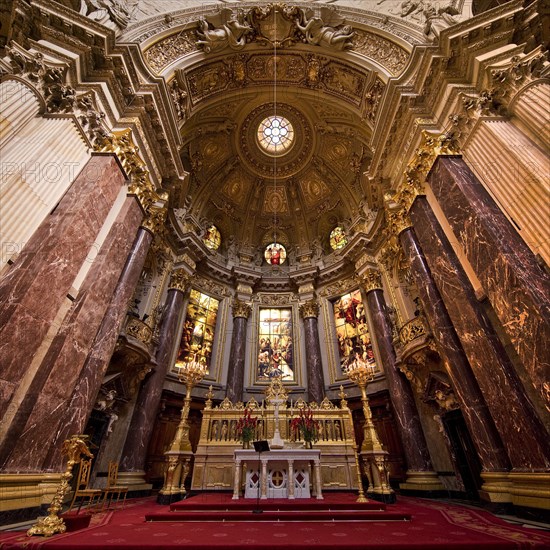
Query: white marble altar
268, 474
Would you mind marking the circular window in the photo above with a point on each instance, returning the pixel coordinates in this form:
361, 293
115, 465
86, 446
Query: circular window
275, 135
275, 254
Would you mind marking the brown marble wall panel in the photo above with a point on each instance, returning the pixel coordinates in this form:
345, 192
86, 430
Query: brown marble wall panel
408, 421
480, 423
314, 365
525, 438
235, 375
36, 285
68, 352
518, 289
75, 416
141, 427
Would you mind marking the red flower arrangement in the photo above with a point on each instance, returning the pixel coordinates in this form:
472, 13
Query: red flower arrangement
305, 425
246, 426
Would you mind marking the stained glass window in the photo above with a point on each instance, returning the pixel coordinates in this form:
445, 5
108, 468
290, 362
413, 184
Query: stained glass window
197, 336
352, 330
213, 238
338, 238
275, 135
275, 344
275, 254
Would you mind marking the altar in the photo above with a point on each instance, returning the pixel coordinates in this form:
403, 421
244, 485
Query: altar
278, 473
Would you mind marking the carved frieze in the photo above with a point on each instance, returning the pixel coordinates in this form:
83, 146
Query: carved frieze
385, 52
339, 287
166, 51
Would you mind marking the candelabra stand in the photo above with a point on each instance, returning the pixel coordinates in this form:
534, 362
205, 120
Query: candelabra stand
178, 457
372, 454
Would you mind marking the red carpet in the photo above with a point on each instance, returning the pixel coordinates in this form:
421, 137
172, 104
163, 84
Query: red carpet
434, 525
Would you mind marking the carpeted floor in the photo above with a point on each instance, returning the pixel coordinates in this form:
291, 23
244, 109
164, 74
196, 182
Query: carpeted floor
433, 525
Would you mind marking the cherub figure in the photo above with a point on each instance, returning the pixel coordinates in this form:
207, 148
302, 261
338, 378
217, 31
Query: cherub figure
229, 31
326, 31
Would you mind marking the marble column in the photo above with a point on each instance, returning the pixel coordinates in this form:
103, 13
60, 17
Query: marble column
76, 415
476, 413
69, 350
235, 374
408, 421
36, 286
315, 384
523, 434
517, 287
141, 427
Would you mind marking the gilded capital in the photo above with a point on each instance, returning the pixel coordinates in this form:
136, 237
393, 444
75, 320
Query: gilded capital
372, 280
241, 309
179, 280
309, 309
122, 145
154, 220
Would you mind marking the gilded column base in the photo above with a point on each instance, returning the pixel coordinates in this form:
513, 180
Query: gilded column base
177, 468
427, 482
530, 490
496, 487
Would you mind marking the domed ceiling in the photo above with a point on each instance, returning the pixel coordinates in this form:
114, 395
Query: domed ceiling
249, 192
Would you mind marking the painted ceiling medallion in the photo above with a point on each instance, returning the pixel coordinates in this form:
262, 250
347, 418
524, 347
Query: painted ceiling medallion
279, 131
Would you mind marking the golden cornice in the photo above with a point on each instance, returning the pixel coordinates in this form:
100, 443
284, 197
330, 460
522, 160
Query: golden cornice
179, 280
309, 309
240, 309
122, 145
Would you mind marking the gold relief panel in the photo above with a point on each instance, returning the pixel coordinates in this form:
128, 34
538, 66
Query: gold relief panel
237, 186
207, 80
275, 201
344, 81
314, 189
213, 148
285, 68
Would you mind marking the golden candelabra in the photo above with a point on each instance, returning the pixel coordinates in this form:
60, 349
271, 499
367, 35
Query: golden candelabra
178, 457
361, 373
372, 454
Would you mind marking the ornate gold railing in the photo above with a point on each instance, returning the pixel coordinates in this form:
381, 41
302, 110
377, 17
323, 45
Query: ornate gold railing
412, 330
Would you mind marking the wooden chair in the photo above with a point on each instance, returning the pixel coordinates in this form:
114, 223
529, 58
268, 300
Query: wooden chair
82, 490
112, 487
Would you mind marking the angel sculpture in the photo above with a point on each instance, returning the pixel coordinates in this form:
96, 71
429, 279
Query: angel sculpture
323, 31
229, 31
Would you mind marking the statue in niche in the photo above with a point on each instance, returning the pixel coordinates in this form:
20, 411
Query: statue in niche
231, 248
229, 31
327, 31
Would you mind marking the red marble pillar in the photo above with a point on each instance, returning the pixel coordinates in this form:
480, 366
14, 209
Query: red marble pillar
408, 421
66, 356
141, 427
37, 284
476, 414
518, 289
523, 434
76, 415
315, 384
235, 374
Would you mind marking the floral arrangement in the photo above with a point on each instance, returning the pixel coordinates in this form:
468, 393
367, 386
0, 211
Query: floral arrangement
305, 425
246, 426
